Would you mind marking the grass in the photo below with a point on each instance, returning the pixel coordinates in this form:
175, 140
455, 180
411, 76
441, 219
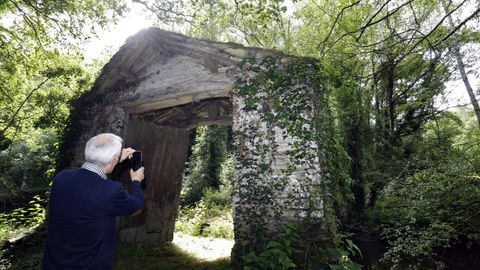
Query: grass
27, 253
206, 219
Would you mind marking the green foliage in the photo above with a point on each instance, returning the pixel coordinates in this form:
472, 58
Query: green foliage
218, 199
37, 95
40, 67
209, 166
36, 83
435, 203
207, 190
254, 23
36, 79
284, 252
277, 253
207, 23
50, 22
22, 219
340, 255
26, 166
211, 217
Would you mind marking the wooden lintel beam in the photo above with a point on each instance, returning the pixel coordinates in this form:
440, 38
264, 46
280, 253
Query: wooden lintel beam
213, 109
216, 120
168, 115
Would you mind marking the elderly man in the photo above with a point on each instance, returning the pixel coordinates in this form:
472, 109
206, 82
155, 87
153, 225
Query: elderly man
83, 206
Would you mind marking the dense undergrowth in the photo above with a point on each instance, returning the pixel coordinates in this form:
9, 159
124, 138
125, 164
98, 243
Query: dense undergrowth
206, 197
211, 217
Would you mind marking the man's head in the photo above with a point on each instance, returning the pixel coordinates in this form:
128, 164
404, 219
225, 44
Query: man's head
104, 150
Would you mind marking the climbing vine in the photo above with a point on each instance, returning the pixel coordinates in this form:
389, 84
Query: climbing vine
289, 161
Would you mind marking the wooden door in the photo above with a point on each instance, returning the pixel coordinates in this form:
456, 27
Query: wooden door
164, 152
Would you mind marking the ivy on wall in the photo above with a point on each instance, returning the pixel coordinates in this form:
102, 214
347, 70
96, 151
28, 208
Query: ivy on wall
290, 164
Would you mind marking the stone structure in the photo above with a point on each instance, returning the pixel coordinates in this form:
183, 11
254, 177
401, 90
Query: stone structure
157, 87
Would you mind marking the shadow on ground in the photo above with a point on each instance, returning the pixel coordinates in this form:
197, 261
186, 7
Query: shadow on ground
27, 253
167, 256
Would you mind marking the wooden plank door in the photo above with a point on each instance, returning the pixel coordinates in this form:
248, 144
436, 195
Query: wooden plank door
164, 152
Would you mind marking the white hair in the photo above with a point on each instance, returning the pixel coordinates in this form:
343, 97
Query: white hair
102, 148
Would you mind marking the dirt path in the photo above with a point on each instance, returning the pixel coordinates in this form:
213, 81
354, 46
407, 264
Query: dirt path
208, 249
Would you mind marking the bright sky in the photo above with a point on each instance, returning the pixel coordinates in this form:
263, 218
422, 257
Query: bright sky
113, 38
457, 93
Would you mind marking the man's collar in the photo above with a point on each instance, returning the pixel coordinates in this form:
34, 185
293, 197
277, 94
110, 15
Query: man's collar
94, 168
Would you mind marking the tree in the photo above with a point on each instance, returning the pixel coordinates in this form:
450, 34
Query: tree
461, 65
435, 204
41, 70
209, 153
392, 55
31, 63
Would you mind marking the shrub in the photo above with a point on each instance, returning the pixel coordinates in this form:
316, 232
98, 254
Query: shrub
429, 210
22, 219
434, 203
218, 199
277, 253
207, 222
221, 226
26, 167
281, 253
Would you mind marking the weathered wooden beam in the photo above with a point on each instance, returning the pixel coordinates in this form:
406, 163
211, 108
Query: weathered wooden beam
188, 115
217, 120
163, 116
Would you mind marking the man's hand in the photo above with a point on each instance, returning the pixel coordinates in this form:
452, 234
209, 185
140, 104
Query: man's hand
138, 174
127, 153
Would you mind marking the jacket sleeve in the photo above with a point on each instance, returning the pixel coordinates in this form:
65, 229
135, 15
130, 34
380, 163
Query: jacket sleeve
124, 203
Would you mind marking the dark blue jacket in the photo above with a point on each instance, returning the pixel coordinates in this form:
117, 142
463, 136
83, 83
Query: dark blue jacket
81, 219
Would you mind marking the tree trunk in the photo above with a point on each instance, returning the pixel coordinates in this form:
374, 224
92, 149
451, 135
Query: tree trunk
389, 98
387, 82
461, 69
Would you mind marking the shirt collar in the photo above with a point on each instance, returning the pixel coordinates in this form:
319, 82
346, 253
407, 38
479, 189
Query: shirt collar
94, 168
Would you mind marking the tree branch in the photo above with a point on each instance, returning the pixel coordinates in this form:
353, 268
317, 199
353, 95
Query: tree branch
431, 68
21, 106
31, 22
39, 12
156, 9
334, 23
370, 23
370, 20
454, 30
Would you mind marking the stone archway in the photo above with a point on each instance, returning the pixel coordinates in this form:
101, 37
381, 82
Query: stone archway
159, 85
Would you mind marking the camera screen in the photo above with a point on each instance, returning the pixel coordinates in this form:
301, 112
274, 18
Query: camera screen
136, 160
